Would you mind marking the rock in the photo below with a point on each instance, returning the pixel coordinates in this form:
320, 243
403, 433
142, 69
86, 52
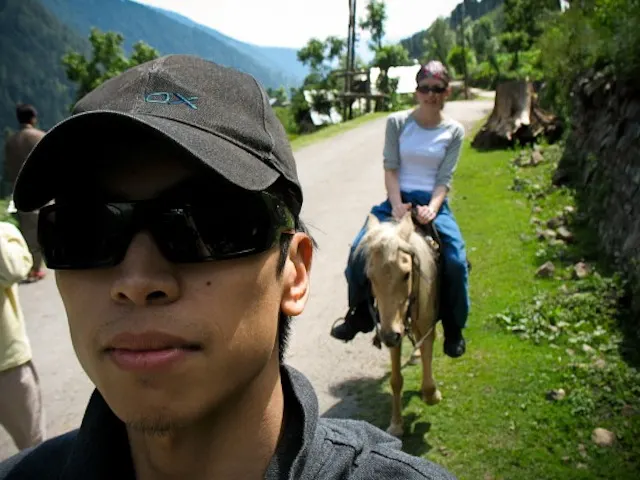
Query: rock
560, 177
546, 234
587, 348
569, 210
582, 450
546, 271
628, 411
603, 437
556, 242
564, 234
535, 221
537, 209
581, 466
581, 270
443, 451
570, 352
600, 363
536, 158
566, 460
555, 222
556, 395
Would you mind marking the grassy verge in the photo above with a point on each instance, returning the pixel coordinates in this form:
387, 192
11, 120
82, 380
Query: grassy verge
300, 141
496, 420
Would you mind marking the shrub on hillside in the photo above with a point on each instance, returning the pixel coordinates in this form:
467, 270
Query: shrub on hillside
601, 33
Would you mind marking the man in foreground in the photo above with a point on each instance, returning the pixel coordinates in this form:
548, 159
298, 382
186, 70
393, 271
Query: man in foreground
180, 259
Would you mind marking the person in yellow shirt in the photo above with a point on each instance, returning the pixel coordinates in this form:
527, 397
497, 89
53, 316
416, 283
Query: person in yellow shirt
21, 411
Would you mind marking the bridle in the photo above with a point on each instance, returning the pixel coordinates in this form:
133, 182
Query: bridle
416, 275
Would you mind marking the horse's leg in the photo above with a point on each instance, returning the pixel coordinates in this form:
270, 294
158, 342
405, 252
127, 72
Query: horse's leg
415, 357
430, 393
395, 428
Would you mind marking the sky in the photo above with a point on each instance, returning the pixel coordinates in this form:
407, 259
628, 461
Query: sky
291, 23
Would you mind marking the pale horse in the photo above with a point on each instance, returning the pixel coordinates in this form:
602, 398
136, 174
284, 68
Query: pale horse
402, 266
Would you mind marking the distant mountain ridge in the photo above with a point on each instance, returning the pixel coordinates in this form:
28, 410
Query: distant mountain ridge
283, 58
170, 33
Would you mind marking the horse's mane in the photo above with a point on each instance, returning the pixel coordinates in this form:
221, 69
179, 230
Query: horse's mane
384, 237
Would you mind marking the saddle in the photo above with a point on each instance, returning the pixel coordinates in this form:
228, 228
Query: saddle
429, 231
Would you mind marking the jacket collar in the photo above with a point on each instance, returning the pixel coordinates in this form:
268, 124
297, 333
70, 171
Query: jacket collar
101, 448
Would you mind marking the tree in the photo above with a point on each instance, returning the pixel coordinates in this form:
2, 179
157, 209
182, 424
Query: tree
386, 57
312, 54
523, 23
459, 58
374, 22
279, 94
439, 41
108, 60
317, 53
483, 31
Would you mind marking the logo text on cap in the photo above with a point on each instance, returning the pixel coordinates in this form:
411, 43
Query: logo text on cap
171, 98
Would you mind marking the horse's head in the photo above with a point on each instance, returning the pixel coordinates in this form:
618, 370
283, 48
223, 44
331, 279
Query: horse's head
390, 268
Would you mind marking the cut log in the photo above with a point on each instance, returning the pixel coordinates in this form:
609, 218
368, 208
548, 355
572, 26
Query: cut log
516, 117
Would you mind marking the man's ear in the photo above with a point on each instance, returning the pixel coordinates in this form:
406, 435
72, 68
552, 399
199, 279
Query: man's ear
296, 275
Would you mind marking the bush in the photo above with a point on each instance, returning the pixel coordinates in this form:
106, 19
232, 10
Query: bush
484, 75
604, 33
285, 115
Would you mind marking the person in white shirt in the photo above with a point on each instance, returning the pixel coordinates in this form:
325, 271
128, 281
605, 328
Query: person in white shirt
421, 152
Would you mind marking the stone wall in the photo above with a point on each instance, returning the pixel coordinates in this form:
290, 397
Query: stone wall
602, 161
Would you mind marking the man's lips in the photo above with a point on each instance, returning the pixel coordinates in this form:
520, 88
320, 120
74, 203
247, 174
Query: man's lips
148, 350
148, 341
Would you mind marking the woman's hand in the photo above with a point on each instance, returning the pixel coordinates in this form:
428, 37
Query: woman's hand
425, 214
400, 209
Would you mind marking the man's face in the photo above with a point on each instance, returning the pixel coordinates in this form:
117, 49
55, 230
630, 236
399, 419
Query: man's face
222, 314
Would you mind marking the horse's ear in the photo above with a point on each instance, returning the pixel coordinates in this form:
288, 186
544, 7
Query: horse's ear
372, 221
405, 228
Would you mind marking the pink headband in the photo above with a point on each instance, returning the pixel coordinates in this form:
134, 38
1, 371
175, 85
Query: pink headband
433, 69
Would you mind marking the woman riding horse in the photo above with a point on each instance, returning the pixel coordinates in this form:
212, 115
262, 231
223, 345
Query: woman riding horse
421, 152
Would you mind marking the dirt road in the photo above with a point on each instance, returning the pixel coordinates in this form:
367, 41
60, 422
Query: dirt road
342, 179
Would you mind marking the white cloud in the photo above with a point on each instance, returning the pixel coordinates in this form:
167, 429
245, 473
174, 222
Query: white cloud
290, 23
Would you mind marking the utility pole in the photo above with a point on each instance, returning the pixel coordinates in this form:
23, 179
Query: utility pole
464, 53
351, 41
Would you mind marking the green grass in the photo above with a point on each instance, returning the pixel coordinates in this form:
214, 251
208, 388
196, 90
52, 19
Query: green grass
494, 420
300, 141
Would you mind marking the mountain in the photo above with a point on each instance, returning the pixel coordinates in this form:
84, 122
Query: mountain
166, 34
282, 58
32, 42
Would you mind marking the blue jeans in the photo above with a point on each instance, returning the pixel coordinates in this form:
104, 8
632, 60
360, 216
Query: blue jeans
454, 298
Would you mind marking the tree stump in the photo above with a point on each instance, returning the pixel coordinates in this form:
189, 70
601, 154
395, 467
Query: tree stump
516, 117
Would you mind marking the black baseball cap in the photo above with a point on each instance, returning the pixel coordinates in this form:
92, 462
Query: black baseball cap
218, 115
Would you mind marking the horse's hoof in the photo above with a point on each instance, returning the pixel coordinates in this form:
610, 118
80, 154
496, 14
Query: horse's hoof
433, 399
396, 430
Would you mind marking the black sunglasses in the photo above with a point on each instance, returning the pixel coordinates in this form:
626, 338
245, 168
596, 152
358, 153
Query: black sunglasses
98, 234
426, 89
